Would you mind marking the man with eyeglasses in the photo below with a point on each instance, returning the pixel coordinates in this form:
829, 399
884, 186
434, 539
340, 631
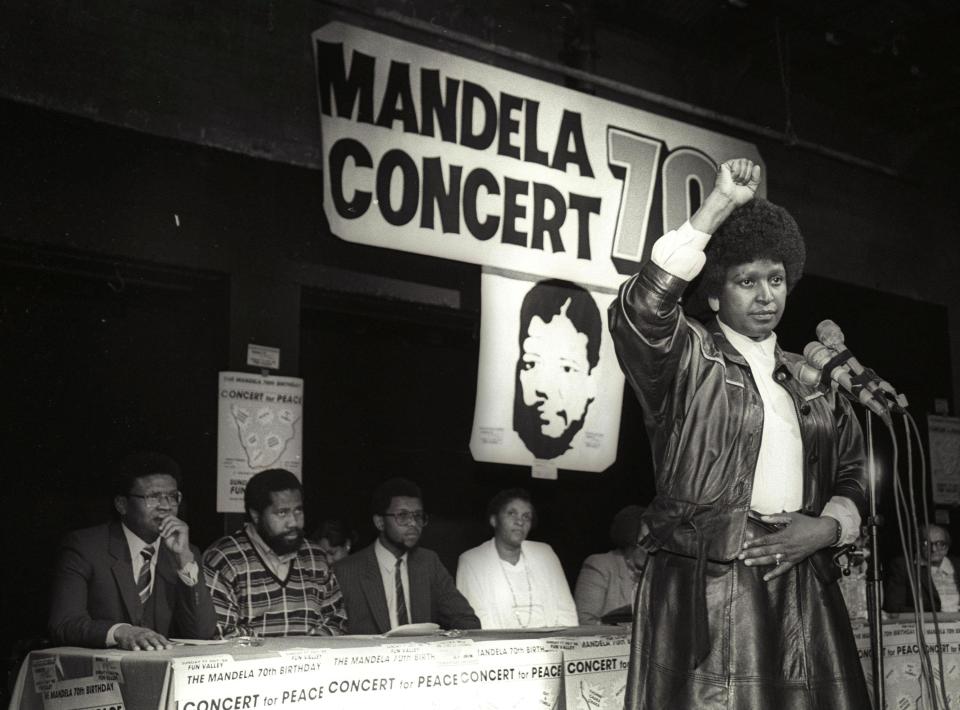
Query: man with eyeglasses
936, 567
135, 581
394, 581
266, 579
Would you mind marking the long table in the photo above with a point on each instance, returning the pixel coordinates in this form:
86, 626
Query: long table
568, 668
548, 669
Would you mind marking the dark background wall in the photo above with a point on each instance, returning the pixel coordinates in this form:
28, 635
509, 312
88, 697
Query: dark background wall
162, 209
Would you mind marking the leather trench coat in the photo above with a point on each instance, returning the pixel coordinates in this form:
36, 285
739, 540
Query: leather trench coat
704, 418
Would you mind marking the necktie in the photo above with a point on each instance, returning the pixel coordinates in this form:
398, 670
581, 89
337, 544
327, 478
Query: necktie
402, 617
143, 579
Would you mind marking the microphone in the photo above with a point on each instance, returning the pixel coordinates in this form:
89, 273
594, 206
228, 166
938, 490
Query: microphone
829, 334
805, 373
818, 355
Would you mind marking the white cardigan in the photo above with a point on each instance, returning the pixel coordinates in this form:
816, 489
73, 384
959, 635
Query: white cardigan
482, 582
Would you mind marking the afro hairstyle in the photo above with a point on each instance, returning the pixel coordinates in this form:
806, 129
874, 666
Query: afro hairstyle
756, 230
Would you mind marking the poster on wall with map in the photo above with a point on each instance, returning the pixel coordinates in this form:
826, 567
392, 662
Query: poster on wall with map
260, 427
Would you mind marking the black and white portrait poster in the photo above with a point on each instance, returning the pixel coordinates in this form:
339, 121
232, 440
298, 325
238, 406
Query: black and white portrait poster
549, 388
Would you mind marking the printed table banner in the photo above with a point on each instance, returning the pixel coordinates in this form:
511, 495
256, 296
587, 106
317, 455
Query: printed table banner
549, 388
260, 427
904, 680
594, 671
455, 675
431, 153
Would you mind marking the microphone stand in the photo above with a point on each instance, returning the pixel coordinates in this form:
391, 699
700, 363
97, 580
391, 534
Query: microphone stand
874, 576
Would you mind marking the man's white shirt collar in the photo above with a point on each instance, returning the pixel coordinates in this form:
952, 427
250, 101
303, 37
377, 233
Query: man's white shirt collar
387, 562
136, 545
386, 559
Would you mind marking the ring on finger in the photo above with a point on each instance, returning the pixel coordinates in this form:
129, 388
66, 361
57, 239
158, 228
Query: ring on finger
779, 558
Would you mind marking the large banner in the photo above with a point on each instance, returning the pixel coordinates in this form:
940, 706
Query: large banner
430, 153
260, 427
549, 388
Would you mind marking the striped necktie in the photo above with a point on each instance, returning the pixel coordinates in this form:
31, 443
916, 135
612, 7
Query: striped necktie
143, 579
402, 617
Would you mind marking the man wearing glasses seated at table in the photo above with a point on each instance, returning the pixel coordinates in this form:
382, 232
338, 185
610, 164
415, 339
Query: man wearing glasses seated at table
394, 582
134, 581
266, 579
935, 566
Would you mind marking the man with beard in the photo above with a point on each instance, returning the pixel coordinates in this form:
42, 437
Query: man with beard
394, 582
131, 582
559, 339
266, 579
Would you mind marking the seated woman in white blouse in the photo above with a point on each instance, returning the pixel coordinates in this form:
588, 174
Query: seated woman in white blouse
511, 582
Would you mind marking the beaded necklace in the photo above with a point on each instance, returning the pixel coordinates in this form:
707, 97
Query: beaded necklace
513, 593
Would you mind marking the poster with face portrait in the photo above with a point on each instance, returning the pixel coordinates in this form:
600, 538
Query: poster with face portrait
549, 388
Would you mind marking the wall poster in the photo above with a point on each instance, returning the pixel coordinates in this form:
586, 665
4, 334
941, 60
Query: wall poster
260, 427
549, 387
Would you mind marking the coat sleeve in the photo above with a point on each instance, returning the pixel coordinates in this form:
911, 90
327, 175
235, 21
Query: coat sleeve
566, 608
333, 611
850, 480
193, 616
70, 622
649, 333
470, 584
358, 618
897, 596
453, 610
590, 591
220, 578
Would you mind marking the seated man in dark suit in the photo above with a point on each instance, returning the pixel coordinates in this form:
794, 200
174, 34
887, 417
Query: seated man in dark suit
935, 566
394, 581
132, 582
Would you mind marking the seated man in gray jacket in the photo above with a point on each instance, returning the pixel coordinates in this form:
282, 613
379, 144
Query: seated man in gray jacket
133, 581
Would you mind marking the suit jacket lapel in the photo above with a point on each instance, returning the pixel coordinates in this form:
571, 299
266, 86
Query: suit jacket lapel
123, 573
419, 588
372, 586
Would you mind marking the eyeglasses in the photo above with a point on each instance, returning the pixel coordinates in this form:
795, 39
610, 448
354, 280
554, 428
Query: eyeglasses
939, 544
405, 517
152, 500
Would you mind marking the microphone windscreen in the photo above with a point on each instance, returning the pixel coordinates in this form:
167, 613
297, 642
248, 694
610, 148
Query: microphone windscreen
816, 354
829, 334
805, 373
